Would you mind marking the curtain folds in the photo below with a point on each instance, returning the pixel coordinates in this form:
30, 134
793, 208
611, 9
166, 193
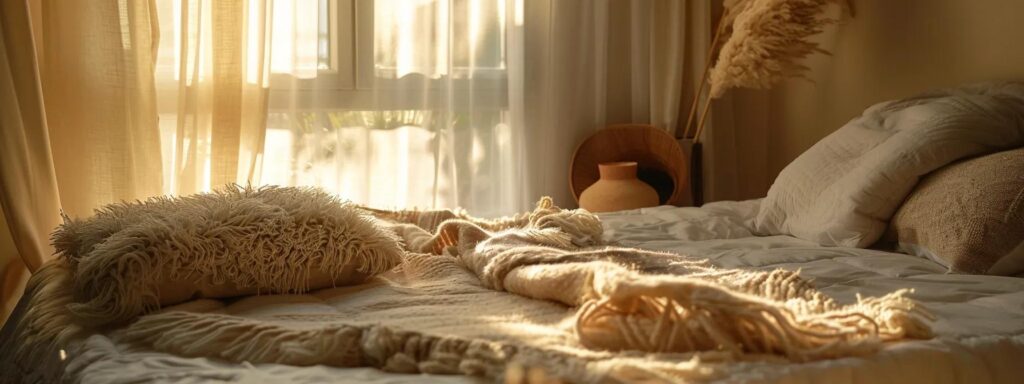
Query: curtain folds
564, 90
28, 185
591, 63
212, 86
105, 108
100, 101
659, 61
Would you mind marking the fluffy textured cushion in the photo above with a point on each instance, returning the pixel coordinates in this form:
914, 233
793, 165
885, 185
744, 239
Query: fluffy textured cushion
968, 216
844, 189
132, 257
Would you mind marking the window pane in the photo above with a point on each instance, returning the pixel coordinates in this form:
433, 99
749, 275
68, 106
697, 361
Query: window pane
296, 46
303, 40
435, 38
324, 41
478, 33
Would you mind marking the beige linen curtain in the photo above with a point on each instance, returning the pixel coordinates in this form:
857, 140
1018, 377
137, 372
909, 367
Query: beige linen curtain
106, 108
28, 190
28, 186
100, 101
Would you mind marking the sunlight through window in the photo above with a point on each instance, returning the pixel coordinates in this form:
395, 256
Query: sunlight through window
369, 136
435, 38
295, 48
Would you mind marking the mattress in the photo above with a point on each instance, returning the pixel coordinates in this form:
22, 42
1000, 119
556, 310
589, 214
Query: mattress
979, 320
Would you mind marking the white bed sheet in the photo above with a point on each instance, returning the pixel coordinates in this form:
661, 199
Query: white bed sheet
979, 325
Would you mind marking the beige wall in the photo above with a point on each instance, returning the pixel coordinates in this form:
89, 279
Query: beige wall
890, 49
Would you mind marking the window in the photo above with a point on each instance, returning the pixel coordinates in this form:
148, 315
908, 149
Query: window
409, 80
371, 53
367, 97
420, 37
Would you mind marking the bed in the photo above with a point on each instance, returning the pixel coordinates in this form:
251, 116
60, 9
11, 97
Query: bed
979, 322
448, 312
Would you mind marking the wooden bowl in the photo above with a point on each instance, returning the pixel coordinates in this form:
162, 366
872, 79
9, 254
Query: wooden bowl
659, 158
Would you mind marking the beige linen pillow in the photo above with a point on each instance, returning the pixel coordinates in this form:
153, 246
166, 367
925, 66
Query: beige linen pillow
130, 258
968, 216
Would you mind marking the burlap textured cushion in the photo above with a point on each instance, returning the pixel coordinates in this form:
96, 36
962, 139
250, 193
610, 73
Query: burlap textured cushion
968, 216
132, 257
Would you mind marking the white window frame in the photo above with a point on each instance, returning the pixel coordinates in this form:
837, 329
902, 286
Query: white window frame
352, 84
339, 76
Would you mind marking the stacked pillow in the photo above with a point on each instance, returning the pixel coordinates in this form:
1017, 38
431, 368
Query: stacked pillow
844, 190
968, 216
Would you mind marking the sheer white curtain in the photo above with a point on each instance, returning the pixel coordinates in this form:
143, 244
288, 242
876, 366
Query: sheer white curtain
591, 63
211, 79
28, 191
404, 104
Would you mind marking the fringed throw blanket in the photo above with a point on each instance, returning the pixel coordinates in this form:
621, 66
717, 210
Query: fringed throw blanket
541, 290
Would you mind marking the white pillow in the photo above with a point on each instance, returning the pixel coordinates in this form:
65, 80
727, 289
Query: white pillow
844, 189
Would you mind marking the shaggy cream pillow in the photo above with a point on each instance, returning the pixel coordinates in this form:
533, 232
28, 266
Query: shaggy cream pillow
130, 258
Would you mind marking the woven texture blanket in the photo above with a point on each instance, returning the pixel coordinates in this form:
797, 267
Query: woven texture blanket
541, 290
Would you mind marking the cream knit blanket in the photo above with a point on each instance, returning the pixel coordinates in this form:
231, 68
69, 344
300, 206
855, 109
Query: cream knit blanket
631, 299
582, 310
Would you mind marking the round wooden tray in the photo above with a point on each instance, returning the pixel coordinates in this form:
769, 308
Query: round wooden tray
659, 158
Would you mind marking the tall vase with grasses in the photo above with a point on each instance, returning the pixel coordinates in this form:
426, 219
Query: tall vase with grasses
757, 43
762, 43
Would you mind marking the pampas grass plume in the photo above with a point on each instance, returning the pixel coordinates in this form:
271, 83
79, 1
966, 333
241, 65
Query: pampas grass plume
768, 39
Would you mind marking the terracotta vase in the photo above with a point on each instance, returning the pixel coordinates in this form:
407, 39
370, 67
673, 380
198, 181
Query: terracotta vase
618, 189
